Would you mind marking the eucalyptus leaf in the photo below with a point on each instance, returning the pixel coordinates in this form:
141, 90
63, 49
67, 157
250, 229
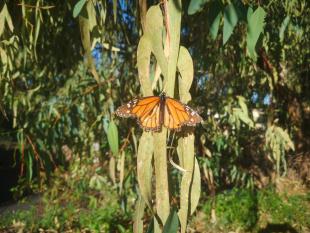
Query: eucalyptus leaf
195, 6
172, 223
230, 21
256, 22
78, 7
113, 138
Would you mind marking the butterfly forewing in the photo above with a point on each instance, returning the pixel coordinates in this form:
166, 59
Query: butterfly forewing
150, 121
146, 110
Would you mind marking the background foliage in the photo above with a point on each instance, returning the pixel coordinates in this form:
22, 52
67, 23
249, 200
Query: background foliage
65, 67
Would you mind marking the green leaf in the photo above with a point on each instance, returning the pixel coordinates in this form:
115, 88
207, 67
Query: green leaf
113, 137
283, 27
215, 15
215, 26
186, 70
230, 21
78, 7
256, 22
195, 6
150, 228
138, 216
115, 10
172, 223
144, 166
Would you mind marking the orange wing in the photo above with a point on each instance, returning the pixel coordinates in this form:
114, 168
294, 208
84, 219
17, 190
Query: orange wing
150, 117
178, 114
146, 109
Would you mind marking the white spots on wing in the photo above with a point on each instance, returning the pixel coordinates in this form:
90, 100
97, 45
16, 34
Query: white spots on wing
193, 113
128, 111
128, 105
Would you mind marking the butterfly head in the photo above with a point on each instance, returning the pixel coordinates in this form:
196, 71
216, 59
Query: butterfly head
162, 95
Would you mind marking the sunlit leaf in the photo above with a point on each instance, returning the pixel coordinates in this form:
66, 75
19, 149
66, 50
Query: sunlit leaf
78, 7
144, 166
138, 216
284, 25
113, 138
186, 70
115, 10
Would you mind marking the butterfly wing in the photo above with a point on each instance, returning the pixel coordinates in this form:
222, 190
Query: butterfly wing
178, 114
146, 110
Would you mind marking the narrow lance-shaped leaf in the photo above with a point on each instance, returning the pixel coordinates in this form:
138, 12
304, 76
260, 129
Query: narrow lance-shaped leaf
144, 166
172, 223
283, 27
256, 22
195, 6
113, 138
138, 216
78, 7
230, 21
214, 18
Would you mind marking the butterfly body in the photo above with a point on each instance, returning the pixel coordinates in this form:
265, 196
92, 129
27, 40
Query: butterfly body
153, 112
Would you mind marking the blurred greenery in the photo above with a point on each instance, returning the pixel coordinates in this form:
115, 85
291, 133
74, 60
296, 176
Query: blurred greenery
80, 198
66, 66
252, 211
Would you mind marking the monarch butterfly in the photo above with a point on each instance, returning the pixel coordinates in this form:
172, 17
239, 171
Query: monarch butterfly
153, 112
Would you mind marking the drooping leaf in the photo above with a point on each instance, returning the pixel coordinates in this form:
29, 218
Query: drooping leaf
256, 22
78, 7
172, 223
186, 70
113, 138
150, 228
143, 63
283, 27
91, 13
115, 10
195, 6
154, 34
138, 216
230, 21
144, 166
214, 18
195, 188
215, 26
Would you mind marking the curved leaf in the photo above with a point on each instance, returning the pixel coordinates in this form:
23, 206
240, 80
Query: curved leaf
195, 6
230, 21
172, 223
256, 22
113, 138
78, 7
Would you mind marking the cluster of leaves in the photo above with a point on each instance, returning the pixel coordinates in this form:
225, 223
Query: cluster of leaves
79, 199
244, 85
249, 210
